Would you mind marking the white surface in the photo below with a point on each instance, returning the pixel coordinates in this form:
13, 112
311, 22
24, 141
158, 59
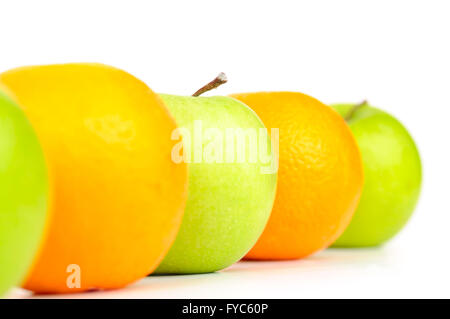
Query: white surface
335, 273
394, 53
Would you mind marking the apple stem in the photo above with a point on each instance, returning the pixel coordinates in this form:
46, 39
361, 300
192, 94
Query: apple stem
353, 110
218, 81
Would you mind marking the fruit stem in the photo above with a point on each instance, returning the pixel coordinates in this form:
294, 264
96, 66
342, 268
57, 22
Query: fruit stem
353, 110
218, 81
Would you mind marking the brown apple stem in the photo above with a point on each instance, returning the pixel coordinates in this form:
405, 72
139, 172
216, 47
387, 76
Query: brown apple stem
353, 110
218, 81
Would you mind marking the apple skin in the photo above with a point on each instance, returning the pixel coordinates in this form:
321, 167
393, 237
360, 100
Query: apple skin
228, 204
392, 172
23, 194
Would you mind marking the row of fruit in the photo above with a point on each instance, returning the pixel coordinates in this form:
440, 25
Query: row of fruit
104, 182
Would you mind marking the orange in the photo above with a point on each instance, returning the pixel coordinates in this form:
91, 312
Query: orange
118, 198
320, 175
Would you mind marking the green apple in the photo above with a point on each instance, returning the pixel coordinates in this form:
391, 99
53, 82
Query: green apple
229, 200
392, 173
23, 194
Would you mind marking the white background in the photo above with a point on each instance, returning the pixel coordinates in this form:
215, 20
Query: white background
394, 53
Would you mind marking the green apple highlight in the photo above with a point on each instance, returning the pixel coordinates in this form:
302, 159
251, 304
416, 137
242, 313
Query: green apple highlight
23, 194
229, 202
392, 172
